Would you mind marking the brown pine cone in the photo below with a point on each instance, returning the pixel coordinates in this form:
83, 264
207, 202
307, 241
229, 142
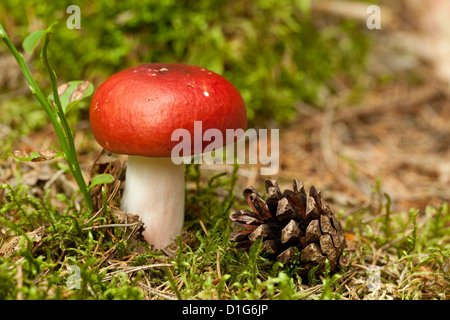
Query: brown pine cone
293, 225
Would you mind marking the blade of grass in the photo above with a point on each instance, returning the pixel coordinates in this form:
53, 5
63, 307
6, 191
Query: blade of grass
72, 155
172, 283
387, 220
34, 87
56, 116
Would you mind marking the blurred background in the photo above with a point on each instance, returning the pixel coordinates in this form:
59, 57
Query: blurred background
276, 52
361, 111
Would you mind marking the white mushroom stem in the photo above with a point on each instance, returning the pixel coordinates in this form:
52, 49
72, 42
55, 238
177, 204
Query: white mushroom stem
154, 190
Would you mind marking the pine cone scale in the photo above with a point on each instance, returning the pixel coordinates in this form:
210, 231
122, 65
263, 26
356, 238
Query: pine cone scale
265, 231
291, 233
313, 232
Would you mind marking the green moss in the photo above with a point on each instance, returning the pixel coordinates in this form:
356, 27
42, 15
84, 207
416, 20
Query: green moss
272, 51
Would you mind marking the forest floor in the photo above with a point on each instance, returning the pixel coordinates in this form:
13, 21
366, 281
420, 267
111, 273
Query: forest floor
384, 157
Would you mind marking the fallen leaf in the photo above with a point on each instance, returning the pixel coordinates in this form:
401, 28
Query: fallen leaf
14, 245
23, 155
70, 93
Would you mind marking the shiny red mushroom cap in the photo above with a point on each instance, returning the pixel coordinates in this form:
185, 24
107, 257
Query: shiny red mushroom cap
136, 110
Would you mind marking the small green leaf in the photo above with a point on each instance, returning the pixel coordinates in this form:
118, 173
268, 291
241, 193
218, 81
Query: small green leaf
71, 93
35, 156
101, 179
32, 39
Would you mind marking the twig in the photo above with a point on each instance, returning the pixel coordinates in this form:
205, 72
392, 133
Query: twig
97, 157
377, 256
348, 279
352, 293
133, 231
157, 292
112, 225
203, 227
95, 215
219, 274
114, 191
312, 290
19, 277
359, 266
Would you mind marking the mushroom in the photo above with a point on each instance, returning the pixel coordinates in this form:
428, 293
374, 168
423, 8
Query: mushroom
135, 111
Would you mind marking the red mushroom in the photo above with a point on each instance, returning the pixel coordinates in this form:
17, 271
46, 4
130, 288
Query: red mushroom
135, 111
